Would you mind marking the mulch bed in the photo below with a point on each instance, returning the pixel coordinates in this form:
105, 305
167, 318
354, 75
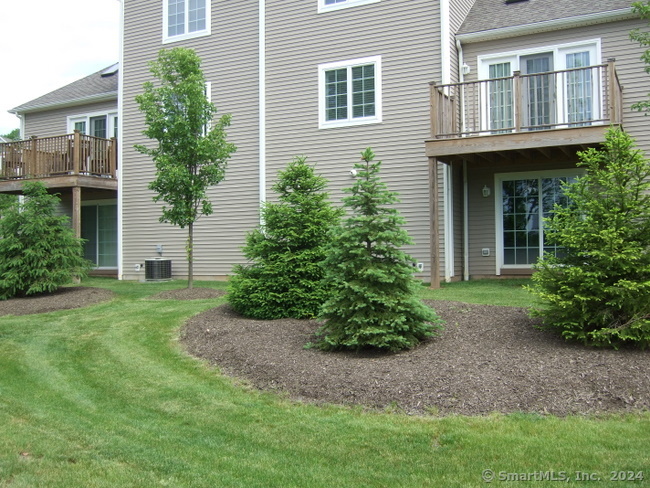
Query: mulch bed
62, 299
488, 359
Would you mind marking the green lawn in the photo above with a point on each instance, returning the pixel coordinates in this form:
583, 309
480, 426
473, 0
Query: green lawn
105, 397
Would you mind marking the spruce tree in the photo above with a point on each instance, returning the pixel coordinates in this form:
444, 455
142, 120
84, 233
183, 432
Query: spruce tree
284, 277
373, 302
597, 290
38, 249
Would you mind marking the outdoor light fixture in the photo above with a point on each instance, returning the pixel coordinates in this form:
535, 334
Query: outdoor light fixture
466, 69
486, 191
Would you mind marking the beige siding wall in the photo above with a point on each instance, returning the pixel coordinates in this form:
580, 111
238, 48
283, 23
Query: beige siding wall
230, 63
55, 122
614, 43
406, 35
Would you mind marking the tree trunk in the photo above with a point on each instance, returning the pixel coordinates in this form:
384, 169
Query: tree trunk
190, 256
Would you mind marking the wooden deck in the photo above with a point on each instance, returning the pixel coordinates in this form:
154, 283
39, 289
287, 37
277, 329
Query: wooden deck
487, 119
71, 160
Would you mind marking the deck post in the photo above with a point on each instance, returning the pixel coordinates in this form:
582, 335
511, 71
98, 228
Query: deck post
434, 107
434, 235
516, 89
31, 169
113, 157
76, 152
612, 92
76, 210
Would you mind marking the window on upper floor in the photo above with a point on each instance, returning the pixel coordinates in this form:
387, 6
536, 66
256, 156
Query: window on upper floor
350, 92
185, 19
328, 5
96, 124
560, 86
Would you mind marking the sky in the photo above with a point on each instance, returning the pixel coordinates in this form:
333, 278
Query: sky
46, 44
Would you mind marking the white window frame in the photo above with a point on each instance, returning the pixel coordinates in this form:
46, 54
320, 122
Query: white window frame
559, 63
323, 123
499, 178
323, 7
111, 118
166, 38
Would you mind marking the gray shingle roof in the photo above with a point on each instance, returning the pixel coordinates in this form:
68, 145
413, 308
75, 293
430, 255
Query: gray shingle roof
487, 15
101, 85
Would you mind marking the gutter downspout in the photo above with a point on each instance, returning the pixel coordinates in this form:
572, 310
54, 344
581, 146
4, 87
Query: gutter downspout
120, 151
445, 59
461, 78
262, 102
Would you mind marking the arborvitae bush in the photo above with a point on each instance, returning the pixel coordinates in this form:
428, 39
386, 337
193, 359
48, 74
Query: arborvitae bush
374, 299
38, 249
597, 290
284, 277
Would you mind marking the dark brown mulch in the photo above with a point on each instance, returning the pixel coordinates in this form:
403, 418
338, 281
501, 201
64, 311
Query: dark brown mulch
187, 294
488, 359
62, 299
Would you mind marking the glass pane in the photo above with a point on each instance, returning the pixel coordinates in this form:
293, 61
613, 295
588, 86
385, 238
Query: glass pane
80, 126
197, 15
89, 232
363, 91
107, 236
98, 127
336, 98
520, 211
500, 97
175, 17
539, 90
579, 95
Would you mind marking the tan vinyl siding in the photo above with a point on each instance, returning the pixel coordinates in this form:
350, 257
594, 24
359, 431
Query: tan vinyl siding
230, 63
614, 43
54, 122
406, 35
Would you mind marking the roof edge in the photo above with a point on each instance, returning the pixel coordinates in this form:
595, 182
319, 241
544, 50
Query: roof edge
548, 25
100, 97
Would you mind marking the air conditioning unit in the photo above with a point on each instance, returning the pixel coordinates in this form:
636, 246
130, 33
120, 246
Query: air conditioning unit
157, 269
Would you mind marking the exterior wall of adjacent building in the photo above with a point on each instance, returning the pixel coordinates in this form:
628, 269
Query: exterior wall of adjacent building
615, 43
230, 65
54, 122
405, 34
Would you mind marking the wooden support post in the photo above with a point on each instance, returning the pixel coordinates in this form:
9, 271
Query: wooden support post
32, 162
434, 107
113, 157
76, 152
76, 210
613, 93
517, 96
434, 234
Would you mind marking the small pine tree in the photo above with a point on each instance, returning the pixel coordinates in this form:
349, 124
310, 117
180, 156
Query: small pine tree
374, 301
38, 249
285, 277
598, 290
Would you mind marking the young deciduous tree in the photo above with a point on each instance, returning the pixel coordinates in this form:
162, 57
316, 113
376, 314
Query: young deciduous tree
373, 302
597, 290
38, 249
192, 151
285, 277
643, 38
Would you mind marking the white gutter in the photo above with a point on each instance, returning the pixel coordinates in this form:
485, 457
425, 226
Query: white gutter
461, 78
120, 152
262, 102
547, 25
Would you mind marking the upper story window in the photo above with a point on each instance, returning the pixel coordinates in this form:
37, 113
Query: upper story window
560, 86
327, 5
185, 19
350, 92
97, 124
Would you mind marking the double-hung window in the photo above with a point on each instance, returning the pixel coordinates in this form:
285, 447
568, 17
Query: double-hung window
185, 19
327, 5
350, 92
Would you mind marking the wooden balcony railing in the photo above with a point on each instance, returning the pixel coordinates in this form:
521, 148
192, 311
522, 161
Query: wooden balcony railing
526, 102
68, 155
